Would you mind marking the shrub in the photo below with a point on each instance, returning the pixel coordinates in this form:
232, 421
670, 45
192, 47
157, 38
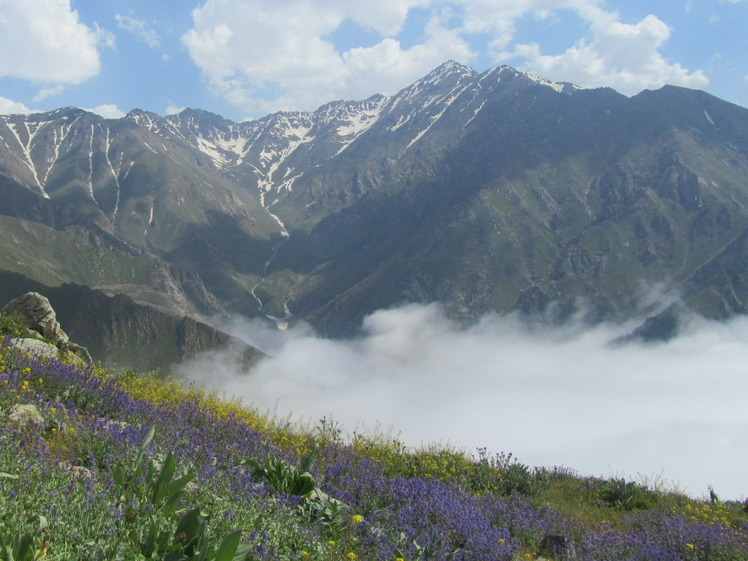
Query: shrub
12, 325
624, 495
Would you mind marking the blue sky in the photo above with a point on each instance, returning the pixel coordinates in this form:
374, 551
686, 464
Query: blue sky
246, 58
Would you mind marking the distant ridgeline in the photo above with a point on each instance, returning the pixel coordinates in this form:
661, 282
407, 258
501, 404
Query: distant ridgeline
491, 192
114, 330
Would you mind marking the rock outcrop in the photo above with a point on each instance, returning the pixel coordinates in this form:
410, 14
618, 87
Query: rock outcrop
121, 333
26, 416
38, 314
45, 335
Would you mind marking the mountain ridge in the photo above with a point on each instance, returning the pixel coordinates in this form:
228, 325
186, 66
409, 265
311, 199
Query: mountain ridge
491, 192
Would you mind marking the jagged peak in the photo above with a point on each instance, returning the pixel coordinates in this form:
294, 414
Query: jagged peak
451, 67
445, 71
60, 113
138, 115
341, 105
69, 112
560, 87
504, 72
137, 112
448, 75
200, 114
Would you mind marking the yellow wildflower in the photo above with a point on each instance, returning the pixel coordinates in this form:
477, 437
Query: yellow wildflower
357, 519
352, 555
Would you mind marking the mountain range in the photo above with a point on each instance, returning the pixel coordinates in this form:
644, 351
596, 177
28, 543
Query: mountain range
489, 192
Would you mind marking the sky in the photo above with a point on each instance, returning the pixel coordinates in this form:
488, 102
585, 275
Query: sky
244, 59
669, 415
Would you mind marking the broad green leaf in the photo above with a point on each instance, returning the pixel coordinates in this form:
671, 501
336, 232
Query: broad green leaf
22, 546
144, 446
228, 547
161, 487
193, 525
181, 483
171, 503
118, 474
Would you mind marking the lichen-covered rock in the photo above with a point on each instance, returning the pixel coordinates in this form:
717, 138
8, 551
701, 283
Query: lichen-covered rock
26, 416
36, 347
80, 352
38, 314
41, 322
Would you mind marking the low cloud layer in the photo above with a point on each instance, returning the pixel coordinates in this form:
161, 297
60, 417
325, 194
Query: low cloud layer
551, 396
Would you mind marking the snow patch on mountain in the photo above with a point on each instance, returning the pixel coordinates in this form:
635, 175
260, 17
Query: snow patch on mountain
58, 137
560, 87
144, 120
212, 151
475, 113
444, 107
31, 130
113, 171
90, 166
359, 122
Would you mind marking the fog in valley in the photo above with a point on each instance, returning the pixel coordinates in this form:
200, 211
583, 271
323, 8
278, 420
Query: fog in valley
671, 412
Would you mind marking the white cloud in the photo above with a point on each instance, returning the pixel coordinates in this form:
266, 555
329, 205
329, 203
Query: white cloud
139, 29
497, 18
623, 56
265, 55
49, 91
108, 111
104, 37
173, 109
262, 55
10, 107
551, 396
43, 41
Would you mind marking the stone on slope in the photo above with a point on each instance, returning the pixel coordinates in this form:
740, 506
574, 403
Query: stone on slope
41, 322
38, 315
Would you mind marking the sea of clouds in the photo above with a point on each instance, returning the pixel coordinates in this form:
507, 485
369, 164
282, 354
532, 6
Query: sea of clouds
670, 413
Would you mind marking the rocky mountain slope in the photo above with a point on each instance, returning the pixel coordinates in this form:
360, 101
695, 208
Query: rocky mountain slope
497, 191
120, 333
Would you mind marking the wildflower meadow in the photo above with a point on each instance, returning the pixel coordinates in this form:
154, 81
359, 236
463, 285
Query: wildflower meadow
97, 465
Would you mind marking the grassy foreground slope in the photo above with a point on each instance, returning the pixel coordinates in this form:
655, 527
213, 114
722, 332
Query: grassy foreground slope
97, 466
